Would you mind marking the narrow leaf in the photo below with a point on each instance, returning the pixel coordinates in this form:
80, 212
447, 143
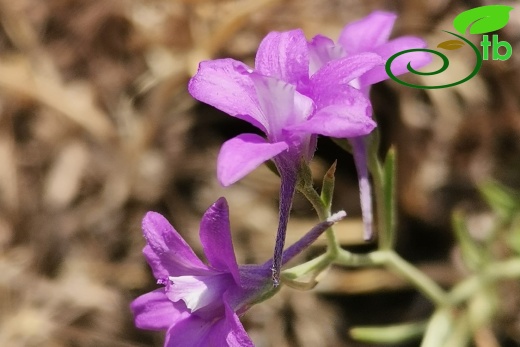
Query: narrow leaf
514, 236
483, 19
501, 199
389, 177
472, 253
327, 188
439, 328
460, 333
393, 334
451, 45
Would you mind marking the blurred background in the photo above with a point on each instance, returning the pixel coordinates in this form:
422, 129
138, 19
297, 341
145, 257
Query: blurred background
97, 127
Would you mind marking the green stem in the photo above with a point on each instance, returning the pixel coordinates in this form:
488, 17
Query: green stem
349, 259
423, 283
394, 262
296, 276
509, 269
389, 186
376, 170
323, 213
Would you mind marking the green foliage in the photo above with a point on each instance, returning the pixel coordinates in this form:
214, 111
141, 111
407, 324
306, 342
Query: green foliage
389, 183
504, 202
327, 188
398, 333
460, 312
473, 254
439, 328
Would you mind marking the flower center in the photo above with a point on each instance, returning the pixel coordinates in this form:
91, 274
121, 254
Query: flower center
199, 292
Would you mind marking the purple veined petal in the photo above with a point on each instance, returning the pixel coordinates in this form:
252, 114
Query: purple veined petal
225, 85
199, 292
345, 95
284, 55
281, 104
338, 121
321, 51
341, 71
399, 65
303, 108
366, 34
155, 262
154, 311
229, 331
242, 154
215, 235
190, 332
276, 99
195, 331
172, 253
344, 112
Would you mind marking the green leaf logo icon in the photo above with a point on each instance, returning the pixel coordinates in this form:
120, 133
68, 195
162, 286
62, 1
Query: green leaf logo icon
482, 20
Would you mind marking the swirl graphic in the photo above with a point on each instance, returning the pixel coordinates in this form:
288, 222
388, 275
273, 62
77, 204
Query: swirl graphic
445, 64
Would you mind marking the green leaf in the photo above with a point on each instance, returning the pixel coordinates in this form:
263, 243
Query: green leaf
473, 254
327, 188
392, 334
483, 306
513, 239
483, 19
389, 182
439, 328
504, 201
451, 45
460, 332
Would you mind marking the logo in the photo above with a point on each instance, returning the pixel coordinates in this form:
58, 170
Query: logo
480, 21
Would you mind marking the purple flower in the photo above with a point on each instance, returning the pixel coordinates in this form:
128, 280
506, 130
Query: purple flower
288, 105
369, 34
200, 303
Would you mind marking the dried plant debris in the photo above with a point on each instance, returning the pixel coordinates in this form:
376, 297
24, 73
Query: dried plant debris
96, 128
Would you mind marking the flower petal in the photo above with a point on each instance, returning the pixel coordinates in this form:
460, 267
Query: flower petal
195, 331
338, 121
242, 154
399, 65
345, 113
281, 104
321, 51
154, 311
284, 55
215, 235
366, 34
199, 291
341, 71
230, 331
225, 84
216, 332
172, 253
191, 332
155, 262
